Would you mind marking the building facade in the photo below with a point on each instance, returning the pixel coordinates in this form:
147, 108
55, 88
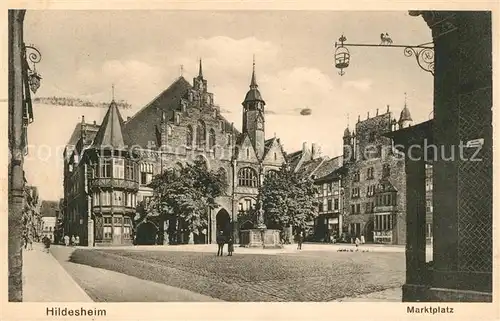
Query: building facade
374, 189
105, 179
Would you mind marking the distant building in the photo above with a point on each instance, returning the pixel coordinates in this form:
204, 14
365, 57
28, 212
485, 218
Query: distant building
429, 209
49, 210
49, 225
375, 184
104, 181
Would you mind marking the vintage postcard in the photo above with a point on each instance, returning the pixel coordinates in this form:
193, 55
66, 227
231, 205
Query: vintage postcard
174, 155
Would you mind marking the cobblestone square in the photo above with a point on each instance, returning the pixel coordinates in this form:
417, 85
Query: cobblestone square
301, 276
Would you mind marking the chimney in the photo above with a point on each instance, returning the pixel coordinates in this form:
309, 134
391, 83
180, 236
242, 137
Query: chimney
304, 147
387, 108
95, 122
83, 119
368, 115
377, 112
314, 151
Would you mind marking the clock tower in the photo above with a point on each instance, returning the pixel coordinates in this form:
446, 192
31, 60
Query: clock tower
253, 116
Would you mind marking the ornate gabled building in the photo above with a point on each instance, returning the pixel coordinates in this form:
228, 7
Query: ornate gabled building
374, 189
178, 126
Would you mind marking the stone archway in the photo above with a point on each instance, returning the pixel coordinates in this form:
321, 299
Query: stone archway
223, 222
368, 231
146, 233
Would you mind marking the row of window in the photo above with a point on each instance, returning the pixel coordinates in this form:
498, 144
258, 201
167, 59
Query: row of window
330, 189
117, 198
329, 205
386, 199
110, 232
370, 173
115, 168
383, 222
201, 135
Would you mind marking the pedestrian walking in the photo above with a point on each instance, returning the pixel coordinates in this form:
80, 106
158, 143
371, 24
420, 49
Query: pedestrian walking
77, 240
46, 243
66, 240
362, 239
73, 240
230, 246
221, 240
357, 243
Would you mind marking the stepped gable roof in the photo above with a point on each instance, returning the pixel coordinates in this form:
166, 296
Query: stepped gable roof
77, 133
140, 128
328, 166
110, 132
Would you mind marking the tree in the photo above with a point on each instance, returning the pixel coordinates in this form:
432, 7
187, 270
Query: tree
183, 196
288, 199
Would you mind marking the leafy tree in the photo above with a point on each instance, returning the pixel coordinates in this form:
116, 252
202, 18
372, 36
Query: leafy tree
288, 199
183, 196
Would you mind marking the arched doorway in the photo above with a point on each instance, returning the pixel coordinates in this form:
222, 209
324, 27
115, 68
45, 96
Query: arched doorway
368, 233
146, 233
223, 222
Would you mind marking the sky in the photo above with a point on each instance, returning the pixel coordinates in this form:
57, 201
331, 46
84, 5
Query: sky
141, 52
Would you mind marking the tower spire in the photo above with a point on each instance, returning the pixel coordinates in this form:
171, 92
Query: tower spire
253, 82
200, 72
405, 99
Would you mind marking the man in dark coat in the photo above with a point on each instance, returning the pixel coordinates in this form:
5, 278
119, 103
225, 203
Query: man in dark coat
221, 240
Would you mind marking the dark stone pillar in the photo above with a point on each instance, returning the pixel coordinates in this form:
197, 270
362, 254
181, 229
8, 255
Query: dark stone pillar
415, 216
462, 113
16, 173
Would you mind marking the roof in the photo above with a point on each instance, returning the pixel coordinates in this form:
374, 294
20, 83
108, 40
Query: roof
293, 159
49, 208
140, 128
332, 176
110, 132
347, 132
308, 168
253, 94
329, 166
405, 114
77, 133
269, 143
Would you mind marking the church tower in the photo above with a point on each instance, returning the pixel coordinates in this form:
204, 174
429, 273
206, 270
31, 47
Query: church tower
253, 116
405, 119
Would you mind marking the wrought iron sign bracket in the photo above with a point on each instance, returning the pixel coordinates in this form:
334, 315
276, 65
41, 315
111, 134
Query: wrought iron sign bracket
423, 53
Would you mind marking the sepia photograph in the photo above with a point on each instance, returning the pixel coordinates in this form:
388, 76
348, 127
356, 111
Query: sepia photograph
249, 156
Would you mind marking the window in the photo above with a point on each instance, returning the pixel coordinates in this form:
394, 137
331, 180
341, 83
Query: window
370, 190
247, 177
126, 220
229, 141
329, 207
358, 208
271, 173
146, 173
336, 204
117, 220
126, 232
106, 167
428, 185
320, 207
384, 222
429, 206
118, 198
353, 209
201, 134
356, 176
386, 170
129, 170
189, 136
107, 232
118, 168
275, 156
95, 198
106, 198
355, 192
169, 130
371, 137
211, 138
248, 152
329, 189
246, 204
369, 173
107, 220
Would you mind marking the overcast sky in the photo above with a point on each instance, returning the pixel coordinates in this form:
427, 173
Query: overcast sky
141, 52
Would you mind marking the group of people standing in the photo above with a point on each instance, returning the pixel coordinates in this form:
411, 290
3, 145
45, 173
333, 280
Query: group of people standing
221, 241
73, 241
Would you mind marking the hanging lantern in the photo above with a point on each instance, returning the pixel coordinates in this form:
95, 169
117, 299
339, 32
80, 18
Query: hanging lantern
342, 55
34, 81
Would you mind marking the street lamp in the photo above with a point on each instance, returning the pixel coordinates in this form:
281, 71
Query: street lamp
423, 53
